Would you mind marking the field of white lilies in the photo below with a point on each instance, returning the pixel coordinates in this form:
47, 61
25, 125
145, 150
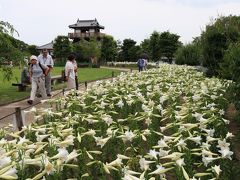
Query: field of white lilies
165, 123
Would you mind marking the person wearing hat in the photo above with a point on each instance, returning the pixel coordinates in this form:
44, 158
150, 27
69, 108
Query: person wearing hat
47, 60
37, 78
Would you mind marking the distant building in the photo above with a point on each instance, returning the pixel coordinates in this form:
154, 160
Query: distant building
48, 46
86, 29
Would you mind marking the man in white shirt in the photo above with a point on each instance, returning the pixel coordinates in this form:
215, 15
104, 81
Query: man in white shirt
47, 60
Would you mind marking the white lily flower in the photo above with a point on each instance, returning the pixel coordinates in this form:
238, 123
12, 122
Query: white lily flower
210, 132
196, 139
226, 153
107, 119
207, 160
223, 144
72, 155
3, 142
120, 104
225, 121
10, 174
217, 169
22, 140
229, 135
160, 171
49, 168
128, 136
62, 155
101, 141
174, 156
181, 143
40, 138
4, 161
211, 139
90, 132
180, 162
148, 121
120, 156
162, 143
153, 154
221, 112
116, 163
144, 164
163, 153
163, 99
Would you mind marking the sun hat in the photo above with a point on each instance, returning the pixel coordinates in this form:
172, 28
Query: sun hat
33, 57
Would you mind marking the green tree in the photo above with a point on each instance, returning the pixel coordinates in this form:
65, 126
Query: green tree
108, 49
230, 67
189, 54
154, 48
7, 28
62, 48
127, 49
217, 37
134, 52
87, 50
33, 50
11, 49
145, 46
168, 44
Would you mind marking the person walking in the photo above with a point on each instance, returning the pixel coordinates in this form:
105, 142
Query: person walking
145, 64
37, 78
140, 64
70, 72
47, 60
76, 74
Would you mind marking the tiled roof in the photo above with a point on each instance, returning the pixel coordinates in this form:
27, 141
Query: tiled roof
87, 24
46, 46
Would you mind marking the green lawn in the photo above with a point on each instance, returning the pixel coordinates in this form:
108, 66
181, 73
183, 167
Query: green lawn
9, 93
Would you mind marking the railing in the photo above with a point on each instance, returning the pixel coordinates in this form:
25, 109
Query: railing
85, 35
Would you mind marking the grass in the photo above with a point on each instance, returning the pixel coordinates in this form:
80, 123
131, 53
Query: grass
9, 93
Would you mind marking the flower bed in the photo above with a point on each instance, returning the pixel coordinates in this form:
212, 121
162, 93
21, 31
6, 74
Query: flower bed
164, 123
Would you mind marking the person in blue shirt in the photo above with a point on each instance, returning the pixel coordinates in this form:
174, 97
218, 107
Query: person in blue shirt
141, 64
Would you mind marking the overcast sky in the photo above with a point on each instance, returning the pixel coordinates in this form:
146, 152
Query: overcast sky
40, 21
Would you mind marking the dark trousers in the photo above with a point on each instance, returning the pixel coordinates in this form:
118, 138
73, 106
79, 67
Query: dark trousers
140, 68
76, 81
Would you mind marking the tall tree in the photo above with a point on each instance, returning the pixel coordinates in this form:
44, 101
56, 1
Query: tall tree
11, 49
7, 28
154, 48
127, 47
216, 39
86, 50
108, 49
168, 44
33, 50
61, 48
189, 54
145, 46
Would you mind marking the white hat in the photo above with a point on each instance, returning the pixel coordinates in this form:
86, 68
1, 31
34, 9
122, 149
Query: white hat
33, 57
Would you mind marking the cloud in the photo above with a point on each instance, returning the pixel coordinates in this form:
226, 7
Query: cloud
197, 3
39, 23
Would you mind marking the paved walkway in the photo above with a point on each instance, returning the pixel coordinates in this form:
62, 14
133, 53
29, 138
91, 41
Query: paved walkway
10, 108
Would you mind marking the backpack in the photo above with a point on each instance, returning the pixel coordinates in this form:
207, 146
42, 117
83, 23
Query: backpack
141, 62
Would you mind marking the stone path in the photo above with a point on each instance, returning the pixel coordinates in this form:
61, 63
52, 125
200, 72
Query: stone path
10, 108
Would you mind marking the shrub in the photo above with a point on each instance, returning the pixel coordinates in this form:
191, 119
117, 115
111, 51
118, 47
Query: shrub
188, 54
